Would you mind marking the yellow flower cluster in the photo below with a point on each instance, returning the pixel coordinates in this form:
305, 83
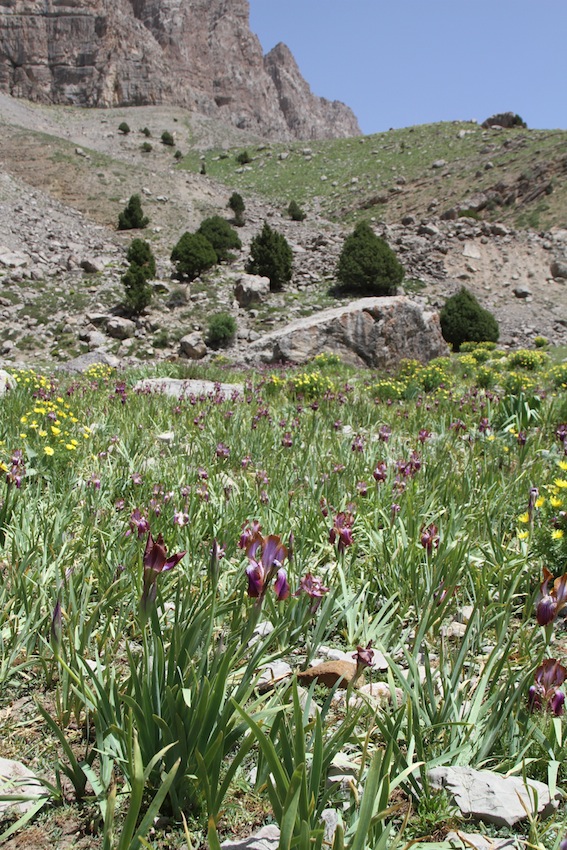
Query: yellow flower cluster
525, 358
99, 372
327, 359
557, 376
51, 422
312, 384
389, 389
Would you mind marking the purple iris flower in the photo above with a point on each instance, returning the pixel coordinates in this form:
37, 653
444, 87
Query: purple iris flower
138, 523
544, 694
314, 588
364, 656
381, 471
266, 556
550, 601
155, 563
341, 532
358, 443
429, 537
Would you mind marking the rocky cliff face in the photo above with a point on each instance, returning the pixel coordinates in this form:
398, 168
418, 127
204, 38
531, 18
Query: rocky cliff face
199, 54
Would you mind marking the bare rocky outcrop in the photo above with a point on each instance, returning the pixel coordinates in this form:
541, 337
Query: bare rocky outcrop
198, 54
306, 116
375, 332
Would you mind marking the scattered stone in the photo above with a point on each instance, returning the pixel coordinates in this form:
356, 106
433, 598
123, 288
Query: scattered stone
12, 259
465, 613
471, 250
7, 381
439, 163
464, 840
376, 694
166, 437
521, 291
193, 346
120, 328
491, 797
16, 779
558, 269
272, 674
96, 339
331, 819
251, 289
342, 770
329, 673
454, 630
94, 358
267, 838
92, 266
182, 389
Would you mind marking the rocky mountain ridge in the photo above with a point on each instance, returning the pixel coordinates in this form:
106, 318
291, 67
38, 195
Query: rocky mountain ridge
197, 54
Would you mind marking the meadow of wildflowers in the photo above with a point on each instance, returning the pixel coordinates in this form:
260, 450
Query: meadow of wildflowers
157, 554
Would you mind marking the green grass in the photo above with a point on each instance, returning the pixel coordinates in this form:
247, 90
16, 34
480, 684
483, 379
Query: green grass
400, 460
347, 178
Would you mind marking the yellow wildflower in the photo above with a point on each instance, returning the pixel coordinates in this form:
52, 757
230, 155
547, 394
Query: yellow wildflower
525, 517
557, 534
48, 451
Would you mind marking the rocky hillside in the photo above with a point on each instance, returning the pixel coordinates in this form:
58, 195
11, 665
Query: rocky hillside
66, 173
198, 54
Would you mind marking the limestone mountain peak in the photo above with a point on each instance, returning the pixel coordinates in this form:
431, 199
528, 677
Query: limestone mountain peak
198, 54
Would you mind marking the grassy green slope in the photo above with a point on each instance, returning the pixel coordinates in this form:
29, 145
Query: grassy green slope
391, 174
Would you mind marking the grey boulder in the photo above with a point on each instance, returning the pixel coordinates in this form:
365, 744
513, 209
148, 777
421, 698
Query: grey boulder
492, 798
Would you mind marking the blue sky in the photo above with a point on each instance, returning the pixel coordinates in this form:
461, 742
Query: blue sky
402, 62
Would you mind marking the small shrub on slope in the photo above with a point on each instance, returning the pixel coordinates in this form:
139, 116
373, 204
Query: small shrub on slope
193, 255
464, 320
132, 216
367, 265
271, 256
221, 235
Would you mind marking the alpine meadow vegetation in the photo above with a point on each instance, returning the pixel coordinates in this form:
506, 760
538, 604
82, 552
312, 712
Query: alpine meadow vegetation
161, 556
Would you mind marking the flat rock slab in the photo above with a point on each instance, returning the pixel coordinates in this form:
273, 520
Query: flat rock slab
491, 797
266, 838
84, 362
374, 332
329, 673
16, 779
184, 389
7, 382
465, 840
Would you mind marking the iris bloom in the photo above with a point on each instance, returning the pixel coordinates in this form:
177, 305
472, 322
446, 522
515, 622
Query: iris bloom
314, 588
155, 562
550, 601
364, 656
429, 537
545, 693
341, 532
266, 556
